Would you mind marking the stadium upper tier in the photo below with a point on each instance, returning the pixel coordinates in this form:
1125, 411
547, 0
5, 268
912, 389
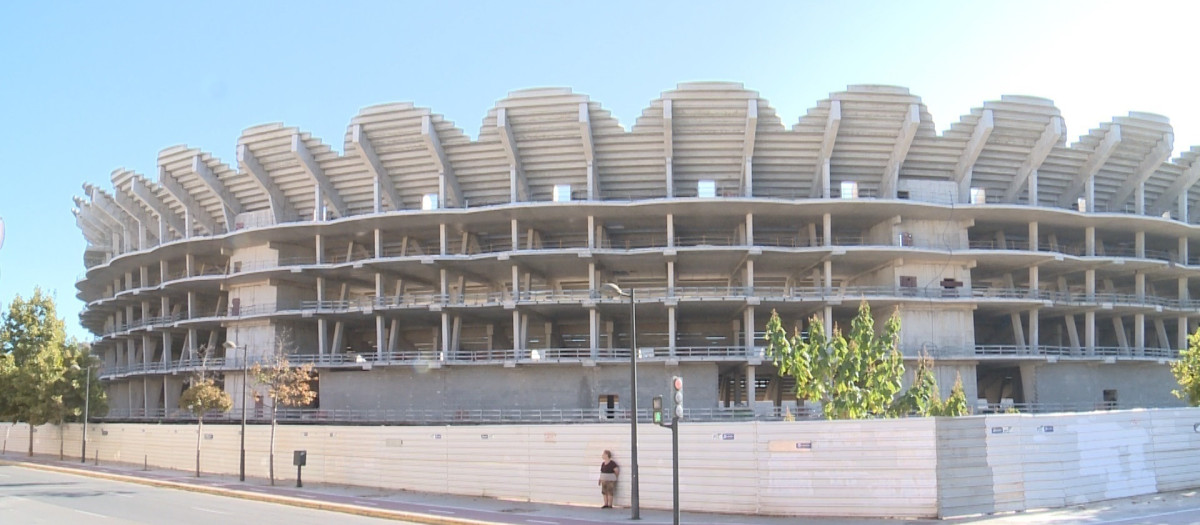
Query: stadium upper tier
548, 144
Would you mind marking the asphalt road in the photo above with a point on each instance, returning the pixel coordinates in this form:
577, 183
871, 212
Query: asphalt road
30, 496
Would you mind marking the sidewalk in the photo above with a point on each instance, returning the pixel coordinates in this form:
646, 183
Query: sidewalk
410, 506
457, 510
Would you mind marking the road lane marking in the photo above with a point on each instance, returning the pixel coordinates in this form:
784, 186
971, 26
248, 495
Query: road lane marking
1144, 517
368, 503
90, 513
546, 522
440, 511
209, 510
123, 495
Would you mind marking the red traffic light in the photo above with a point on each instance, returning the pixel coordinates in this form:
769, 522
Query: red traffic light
677, 383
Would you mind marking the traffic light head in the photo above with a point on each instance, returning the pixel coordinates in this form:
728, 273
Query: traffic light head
656, 409
677, 386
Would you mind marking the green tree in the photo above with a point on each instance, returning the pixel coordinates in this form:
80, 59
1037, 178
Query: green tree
854, 376
922, 397
285, 385
35, 371
956, 404
201, 398
1187, 371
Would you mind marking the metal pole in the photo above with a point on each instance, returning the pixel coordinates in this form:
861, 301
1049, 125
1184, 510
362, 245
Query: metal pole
633, 388
242, 462
675, 469
87, 398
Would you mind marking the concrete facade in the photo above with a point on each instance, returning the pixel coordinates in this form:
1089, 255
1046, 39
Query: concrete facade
421, 267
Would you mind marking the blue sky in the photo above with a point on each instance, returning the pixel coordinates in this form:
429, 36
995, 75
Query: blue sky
87, 87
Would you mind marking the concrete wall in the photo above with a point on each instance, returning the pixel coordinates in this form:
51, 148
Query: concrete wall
539, 386
1137, 384
916, 467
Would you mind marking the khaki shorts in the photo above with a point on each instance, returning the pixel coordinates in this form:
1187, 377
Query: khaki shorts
608, 488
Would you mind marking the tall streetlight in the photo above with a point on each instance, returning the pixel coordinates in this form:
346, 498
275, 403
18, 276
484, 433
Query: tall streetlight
87, 402
230, 346
613, 289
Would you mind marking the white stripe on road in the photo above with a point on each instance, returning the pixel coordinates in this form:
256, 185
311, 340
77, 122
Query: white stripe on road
90, 513
1142, 518
546, 522
209, 510
368, 503
119, 495
440, 511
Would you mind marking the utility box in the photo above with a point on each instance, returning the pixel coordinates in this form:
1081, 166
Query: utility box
300, 458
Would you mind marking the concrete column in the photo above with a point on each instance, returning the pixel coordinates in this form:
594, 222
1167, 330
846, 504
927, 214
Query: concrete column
1034, 335
319, 249
827, 229
748, 322
1032, 184
380, 336
594, 331
591, 235
749, 229
750, 393
445, 337
672, 330
825, 171
442, 238
1139, 244
322, 324
1181, 333
1139, 334
670, 230
378, 243
1033, 236
518, 341
515, 236
1089, 236
670, 278
1089, 332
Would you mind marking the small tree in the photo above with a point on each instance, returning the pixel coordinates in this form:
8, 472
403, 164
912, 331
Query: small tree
853, 376
285, 385
1187, 371
922, 397
956, 404
202, 397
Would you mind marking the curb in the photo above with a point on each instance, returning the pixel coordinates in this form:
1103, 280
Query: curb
343, 508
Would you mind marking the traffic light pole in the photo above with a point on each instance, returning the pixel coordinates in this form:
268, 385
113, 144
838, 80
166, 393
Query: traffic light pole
675, 469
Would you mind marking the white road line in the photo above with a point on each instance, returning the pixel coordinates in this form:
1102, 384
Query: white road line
440, 511
368, 503
123, 495
90, 513
209, 510
1146, 516
546, 522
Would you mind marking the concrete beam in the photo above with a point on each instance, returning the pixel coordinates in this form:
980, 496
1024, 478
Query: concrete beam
820, 184
450, 194
1150, 163
281, 208
314, 170
143, 192
194, 211
669, 146
1041, 149
230, 206
134, 209
1179, 186
979, 137
891, 172
589, 150
518, 186
747, 177
384, 187
1095, 161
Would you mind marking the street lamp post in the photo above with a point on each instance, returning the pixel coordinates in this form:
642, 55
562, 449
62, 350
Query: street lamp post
87, 401
613, 289
229, 345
